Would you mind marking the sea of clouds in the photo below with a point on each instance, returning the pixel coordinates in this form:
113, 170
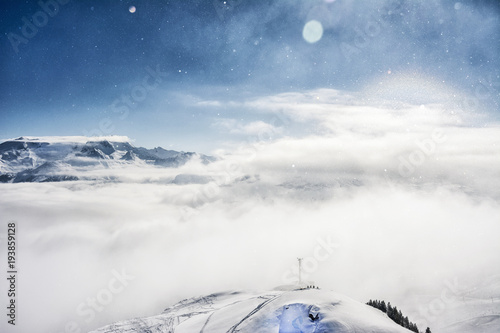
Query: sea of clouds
383, 199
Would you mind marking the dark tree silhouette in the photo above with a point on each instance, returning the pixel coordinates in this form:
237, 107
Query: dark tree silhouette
396, 315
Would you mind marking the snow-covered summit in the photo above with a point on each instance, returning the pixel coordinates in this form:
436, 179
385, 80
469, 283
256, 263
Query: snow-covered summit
291, 311
71, 139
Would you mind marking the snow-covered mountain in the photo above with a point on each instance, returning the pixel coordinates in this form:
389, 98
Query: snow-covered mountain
283, 310
45, 159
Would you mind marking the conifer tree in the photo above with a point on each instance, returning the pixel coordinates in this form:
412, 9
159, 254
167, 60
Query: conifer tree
406, 322
383, 307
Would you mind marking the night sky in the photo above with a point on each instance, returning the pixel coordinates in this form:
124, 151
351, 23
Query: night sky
101, 67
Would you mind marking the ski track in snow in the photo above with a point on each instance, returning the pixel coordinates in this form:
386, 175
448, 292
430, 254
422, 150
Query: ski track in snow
254, 311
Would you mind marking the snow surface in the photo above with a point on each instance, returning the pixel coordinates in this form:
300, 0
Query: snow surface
279, 311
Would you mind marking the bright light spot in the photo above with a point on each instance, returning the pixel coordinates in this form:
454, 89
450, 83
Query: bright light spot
458, 5
132, 9
313, 31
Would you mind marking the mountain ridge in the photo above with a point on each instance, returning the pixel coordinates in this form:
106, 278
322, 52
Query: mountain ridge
289, 310
50, 159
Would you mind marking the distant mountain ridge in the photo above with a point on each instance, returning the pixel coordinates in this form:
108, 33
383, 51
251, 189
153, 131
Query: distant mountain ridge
48, 159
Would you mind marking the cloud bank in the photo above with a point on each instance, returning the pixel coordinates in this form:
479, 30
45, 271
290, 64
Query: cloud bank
404, 194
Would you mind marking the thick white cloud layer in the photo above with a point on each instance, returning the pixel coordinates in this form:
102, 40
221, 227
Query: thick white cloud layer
384, 200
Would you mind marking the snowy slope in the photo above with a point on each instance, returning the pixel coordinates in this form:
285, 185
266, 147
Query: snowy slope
461, 307
42, 159
483, 324
475, 310
280, 311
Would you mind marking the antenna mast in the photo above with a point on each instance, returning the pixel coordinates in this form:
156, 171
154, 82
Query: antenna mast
300, 270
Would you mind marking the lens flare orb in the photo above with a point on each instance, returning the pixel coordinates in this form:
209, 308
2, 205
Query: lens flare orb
313, 31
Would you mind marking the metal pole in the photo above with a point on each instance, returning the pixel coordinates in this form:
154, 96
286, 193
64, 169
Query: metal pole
300, 270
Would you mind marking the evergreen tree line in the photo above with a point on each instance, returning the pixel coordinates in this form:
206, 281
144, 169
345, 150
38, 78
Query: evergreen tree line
395, 315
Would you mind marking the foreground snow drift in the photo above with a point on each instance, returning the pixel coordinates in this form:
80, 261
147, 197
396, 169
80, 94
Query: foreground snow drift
280, 311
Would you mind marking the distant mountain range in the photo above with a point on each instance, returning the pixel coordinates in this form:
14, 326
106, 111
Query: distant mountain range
50, 159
